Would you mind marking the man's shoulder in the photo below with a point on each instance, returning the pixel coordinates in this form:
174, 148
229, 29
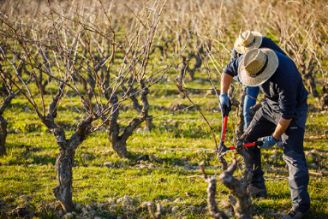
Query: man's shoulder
267, 41
236, 61
239, 60
232, 67
286, 68
284, 60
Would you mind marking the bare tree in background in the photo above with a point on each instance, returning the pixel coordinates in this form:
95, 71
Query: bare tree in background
119, 138
73, 64
3, 122
304, 53
302, 36
192, 62
8, 95
136, 57
48, 114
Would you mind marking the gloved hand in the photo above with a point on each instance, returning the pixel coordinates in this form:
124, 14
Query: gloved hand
225, 104
268, 142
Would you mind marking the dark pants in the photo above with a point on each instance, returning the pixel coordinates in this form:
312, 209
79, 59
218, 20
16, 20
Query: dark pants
263, 124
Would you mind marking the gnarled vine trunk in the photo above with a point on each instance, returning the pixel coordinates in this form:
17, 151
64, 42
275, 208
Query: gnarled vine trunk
4, 123
311, 84
240, 200
119, 140
3, 135
119, 147
149, 123
64, 162
64, 165
119, 137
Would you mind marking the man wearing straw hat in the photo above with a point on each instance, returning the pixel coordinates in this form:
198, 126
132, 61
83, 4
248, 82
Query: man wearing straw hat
281, 117
246, 41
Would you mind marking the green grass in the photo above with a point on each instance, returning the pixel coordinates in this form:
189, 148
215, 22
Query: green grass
164, 167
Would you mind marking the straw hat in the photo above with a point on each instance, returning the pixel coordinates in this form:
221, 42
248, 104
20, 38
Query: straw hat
248, 40
257, 66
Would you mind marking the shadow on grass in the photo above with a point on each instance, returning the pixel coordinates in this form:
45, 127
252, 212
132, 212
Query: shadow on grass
314, 214
281, 195
43, 159
21, 154
268, 211
137, 157
29, 153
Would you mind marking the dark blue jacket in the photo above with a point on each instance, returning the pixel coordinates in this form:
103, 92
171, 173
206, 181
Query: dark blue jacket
284, 91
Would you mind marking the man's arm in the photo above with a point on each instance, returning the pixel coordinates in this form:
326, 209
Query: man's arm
271, 140
229, 72
287, 100
287, 91
226, 80
281, 127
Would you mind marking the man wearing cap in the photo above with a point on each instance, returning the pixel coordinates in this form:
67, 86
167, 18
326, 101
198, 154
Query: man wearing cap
246, 41
281, 117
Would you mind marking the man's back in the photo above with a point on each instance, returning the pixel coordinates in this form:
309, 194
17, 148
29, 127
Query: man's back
286, 82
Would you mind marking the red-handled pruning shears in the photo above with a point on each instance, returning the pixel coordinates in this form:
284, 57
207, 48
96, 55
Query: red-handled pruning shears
246, 145
224, 149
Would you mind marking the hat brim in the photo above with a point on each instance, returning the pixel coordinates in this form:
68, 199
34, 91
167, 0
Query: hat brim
255, 45
270, 69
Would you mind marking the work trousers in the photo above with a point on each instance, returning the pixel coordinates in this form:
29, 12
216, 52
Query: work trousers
263, 124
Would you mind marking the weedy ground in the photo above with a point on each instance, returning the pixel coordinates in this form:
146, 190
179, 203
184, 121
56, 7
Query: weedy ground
163, 167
